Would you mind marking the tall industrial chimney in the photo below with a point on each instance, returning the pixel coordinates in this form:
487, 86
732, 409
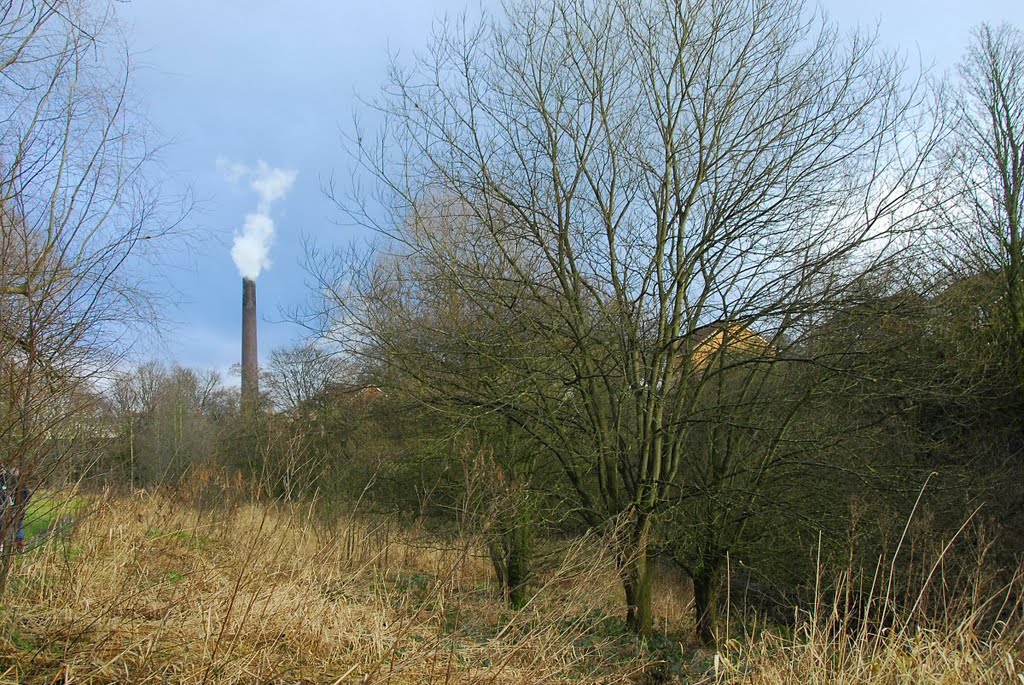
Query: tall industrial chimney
250, 361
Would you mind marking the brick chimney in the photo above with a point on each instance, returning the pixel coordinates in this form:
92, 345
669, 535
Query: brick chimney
250, 359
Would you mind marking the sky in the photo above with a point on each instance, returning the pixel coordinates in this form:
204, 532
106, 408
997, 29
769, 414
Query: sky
249, 99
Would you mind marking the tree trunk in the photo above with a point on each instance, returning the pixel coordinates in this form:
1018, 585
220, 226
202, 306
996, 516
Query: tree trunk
8, 534
511, 552
705, 604
635, 566
5, 568
518, 567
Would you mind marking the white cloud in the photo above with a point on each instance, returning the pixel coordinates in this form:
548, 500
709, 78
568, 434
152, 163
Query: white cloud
271, 184
251, 249
232, 171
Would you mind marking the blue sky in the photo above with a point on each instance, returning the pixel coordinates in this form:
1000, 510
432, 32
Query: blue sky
244, 81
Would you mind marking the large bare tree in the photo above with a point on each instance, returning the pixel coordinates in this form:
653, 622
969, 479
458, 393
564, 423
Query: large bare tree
76, 218
574, 190
988, 170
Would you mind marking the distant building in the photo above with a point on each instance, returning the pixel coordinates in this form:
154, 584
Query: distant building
734, 338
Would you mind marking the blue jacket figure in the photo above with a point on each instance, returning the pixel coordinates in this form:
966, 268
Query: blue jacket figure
14, 496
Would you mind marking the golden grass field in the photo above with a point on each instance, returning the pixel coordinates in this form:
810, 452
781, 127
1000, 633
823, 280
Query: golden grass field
147, 589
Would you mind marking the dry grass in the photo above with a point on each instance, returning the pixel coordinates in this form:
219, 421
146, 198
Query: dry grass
948, 656
150, 590
869, 637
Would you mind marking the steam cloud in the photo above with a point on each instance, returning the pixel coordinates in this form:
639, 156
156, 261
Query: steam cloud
251, 250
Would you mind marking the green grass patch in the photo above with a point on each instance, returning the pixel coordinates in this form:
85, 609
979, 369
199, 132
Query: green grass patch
72, 552
190, 540
48, 510
22, 642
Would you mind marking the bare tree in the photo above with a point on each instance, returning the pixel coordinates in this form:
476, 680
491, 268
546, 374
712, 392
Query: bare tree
301, 374
988, 167
75, 219
576, 189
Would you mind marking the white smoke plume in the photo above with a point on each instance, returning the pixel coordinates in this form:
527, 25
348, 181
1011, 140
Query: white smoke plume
251, 250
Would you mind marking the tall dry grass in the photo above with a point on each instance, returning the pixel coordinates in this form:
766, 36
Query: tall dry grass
942, 629
149, 590
823, 651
